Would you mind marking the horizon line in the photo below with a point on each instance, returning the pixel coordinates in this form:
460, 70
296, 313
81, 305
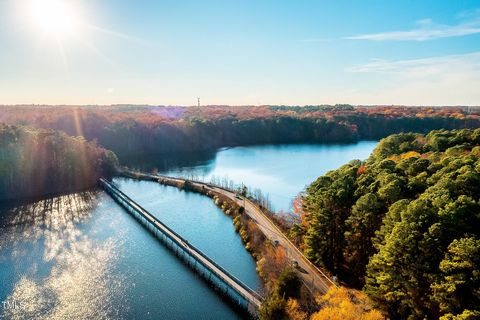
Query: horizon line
235, 105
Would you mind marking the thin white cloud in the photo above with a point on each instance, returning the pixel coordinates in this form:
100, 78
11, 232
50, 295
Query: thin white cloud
426, 66
426, 30
443, 80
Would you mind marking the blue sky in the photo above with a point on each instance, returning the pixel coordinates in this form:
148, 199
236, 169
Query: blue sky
242, 52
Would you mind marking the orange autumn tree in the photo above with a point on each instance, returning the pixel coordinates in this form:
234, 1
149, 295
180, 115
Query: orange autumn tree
273, 261
344, 304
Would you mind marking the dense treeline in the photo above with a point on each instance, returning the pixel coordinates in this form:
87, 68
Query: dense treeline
405, 224
137, 130
36, 162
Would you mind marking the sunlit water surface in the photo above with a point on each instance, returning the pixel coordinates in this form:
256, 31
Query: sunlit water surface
81, 256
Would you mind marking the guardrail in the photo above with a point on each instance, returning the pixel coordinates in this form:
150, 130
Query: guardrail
291, 243
157, 176
226, 277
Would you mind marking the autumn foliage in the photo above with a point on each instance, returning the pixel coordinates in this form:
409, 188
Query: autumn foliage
35, 162
139, 130
407, 229
345, 304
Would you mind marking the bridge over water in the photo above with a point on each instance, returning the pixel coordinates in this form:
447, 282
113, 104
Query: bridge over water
315, 280
221, 279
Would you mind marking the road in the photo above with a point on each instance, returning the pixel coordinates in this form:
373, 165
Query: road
199, 256
315, 280
312, 277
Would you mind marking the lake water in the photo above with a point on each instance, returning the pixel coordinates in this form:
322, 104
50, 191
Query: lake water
281, 171
82, 256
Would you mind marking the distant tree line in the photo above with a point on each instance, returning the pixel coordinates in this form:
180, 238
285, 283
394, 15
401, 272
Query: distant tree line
141, 130
404, 224
37, 162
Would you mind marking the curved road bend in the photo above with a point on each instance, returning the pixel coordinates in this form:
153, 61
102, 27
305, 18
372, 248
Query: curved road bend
315, 280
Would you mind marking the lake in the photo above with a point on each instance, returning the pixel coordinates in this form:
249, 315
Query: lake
82, 256
281, 171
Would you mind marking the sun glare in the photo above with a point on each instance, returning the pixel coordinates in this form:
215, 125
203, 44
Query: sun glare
54, 17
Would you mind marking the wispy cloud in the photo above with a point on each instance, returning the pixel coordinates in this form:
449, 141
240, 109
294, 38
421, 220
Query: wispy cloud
425, 66
426, 30
441, 80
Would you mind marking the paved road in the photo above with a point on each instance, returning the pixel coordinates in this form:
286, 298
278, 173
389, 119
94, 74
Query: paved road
233, 282
313, 277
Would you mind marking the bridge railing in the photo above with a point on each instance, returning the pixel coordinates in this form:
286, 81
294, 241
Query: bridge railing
180, 241
155, 177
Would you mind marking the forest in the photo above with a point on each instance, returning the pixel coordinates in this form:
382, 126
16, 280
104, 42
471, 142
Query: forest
37, 162
142, 130
404, 225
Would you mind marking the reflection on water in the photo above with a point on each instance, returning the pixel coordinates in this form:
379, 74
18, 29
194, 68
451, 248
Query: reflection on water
201, 162
281, 171
82, 256
50, 267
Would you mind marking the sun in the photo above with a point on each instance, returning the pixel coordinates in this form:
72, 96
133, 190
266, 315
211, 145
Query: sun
54, 17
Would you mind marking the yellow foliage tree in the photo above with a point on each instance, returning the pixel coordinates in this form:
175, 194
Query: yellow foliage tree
344, 304
293, 310
410, 154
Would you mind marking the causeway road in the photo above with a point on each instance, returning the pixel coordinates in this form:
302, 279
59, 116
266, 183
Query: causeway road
314, 279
